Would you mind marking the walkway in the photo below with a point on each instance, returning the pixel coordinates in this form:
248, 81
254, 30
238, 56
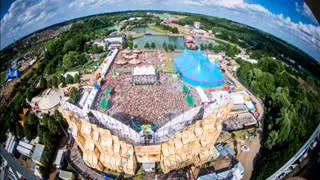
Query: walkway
247, 159
13, 163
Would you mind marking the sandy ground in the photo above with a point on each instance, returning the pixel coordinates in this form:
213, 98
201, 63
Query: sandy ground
247, 158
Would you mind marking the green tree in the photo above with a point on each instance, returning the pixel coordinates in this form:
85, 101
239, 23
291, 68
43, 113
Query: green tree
49, 83
130, 44
74, 95
69, 79
72, 59
43, 83
135, 46
76, 78
62, 81
30, 126
171, 47
147, 46
153, 45
95, 49
55, 82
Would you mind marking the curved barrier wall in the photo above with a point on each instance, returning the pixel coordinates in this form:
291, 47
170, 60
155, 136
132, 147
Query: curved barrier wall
104, 151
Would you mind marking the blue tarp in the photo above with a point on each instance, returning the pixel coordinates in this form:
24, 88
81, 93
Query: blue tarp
13, 73
196, 69
108, 178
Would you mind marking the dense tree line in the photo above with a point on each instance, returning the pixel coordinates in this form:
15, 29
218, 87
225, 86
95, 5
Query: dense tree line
292, 110
229, 49
168, 28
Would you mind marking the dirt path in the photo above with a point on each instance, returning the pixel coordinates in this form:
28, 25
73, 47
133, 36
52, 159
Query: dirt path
247, 158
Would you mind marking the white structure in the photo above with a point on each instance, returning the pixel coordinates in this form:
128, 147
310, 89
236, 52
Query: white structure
32, 61
114, 42
247, 59
37, 154
48, 101
215, 57
66, 175
24, 151
11, 142
144, 70
198, 32
75, 110
196, 25
204, 98
134, 18
71, 73
237, 98
91, 98
60, 158
108, 62
83, 99
144, 75
100, 43
25, 145
235, 173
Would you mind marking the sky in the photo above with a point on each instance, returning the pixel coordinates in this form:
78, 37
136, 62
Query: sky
290, 20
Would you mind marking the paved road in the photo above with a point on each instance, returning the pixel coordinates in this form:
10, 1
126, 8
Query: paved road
12, 162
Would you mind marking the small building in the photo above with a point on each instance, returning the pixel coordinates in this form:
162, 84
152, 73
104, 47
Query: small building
13, 74
225, 151
196, 25
115, 42
60, 158
25, 148
71, 73
11, 143
239, 122
145, 75
235, 173
38, 154
47, 102
100, 43
170, 20
198, 32
66, 175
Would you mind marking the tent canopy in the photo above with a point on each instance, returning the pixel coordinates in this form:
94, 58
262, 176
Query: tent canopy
196, 69
104, 104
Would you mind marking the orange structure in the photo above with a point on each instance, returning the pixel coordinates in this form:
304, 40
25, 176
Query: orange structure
194, 145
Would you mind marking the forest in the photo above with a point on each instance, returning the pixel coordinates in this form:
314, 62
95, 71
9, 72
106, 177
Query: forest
292, 110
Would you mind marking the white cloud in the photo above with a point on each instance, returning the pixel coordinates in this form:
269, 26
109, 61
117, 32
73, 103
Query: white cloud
24, 16
304, 10
231, 4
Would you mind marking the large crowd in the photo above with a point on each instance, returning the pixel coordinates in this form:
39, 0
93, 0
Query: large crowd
155, 104
148, 104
